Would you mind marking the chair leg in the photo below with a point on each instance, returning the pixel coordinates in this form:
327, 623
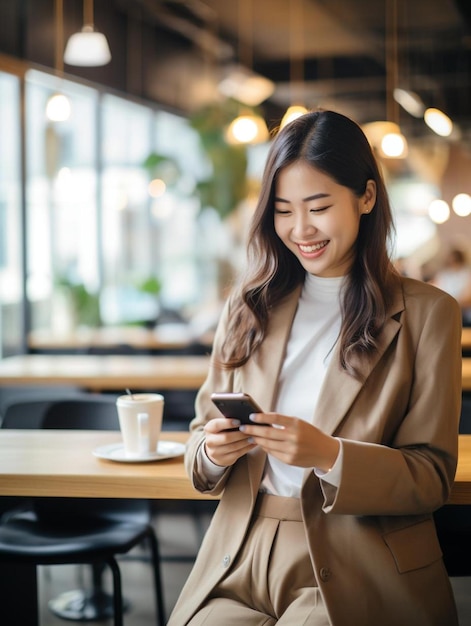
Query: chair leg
159, 595
80, 605
117, 594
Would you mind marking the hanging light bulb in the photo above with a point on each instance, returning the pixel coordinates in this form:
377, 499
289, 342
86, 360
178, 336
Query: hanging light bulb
292, 112
394, 145
296, 61
439, 122
439, 211
58, 107
245, 86
385, 135
87, 48
247, 128
387, 139
409, 101
461, 204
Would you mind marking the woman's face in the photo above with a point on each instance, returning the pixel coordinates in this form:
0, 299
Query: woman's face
318, 219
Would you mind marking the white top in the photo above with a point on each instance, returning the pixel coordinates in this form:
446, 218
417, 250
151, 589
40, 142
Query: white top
315, 330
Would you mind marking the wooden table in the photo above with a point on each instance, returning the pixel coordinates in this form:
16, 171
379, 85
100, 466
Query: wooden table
61, 463
466, 380
466, 338
98, 372
165, 337
138, 337
115, 372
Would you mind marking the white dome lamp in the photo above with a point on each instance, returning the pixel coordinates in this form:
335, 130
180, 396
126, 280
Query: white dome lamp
87, 48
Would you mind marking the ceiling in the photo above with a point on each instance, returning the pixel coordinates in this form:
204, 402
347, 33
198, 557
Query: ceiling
327, 53
332, 53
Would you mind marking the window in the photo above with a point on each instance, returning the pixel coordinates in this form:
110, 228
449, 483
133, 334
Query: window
11, 296
61, 203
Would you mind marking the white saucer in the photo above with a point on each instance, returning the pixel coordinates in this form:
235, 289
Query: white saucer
115, 452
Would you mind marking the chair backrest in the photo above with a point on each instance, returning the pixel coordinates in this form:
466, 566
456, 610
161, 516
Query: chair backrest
88, 412
465, 420
25, 414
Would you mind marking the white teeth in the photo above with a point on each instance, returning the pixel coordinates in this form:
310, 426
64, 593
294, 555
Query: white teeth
317, 246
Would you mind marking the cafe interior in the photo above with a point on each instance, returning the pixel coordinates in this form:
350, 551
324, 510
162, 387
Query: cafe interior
133, 136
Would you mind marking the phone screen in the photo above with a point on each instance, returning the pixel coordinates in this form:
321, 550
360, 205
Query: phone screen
236, 405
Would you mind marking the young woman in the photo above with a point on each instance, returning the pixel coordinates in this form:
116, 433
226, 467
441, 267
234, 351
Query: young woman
326, 512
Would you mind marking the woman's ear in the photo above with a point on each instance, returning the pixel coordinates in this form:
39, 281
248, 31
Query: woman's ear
368, 199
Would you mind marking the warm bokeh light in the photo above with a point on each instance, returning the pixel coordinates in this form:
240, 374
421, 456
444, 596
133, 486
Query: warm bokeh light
157, 188
292, 113
245, 86
386, 138
58, 108
248, 128
409, 101
394, 145
439, 211
440, 123
461, 204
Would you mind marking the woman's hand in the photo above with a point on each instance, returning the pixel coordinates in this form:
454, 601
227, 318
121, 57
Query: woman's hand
293, 441
224, 442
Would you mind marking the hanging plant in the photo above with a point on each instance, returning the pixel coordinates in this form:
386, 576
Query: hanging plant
227, 185
163, 167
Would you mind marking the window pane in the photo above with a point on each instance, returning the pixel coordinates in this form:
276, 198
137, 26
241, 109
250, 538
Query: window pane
128, 232
10, 217
61, 204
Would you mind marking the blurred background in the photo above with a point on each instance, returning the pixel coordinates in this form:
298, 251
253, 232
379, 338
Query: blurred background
125, 185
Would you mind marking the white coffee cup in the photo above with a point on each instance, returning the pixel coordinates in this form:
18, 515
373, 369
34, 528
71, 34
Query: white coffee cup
140, 421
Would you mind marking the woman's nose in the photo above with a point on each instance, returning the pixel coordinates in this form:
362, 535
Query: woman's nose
304, 225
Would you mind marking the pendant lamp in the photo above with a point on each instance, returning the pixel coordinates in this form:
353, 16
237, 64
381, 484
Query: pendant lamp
386, 135
87, 48
58, 106
296, 60
248, 127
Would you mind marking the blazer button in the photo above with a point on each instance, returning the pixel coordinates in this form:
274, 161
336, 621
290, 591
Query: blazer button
325, 573
226, 561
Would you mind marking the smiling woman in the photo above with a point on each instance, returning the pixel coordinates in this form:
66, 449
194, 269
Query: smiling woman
318, 219
342, 353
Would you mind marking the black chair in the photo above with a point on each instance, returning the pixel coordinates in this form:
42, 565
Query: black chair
453, 521
21, 414
90, 531
25, 413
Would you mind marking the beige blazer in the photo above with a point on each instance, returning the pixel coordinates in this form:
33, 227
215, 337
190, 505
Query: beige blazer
372, 540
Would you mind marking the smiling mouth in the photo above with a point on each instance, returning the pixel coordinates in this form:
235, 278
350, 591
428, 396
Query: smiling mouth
313, 247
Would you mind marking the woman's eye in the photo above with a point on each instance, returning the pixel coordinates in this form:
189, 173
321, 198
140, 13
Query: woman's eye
319, 209
282, 211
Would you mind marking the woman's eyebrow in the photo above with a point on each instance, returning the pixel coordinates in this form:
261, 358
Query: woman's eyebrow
316, 196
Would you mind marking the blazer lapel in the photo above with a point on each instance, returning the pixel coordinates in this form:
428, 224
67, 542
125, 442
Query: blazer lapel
262, 371
340, 389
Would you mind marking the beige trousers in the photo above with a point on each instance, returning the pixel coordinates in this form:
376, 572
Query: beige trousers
272, 580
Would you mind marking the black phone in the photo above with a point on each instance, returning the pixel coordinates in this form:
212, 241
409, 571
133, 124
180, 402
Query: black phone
236, 405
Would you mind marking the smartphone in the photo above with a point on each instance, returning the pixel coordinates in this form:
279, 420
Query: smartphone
236, 405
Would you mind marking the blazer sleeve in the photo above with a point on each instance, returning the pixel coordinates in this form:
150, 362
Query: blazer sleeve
218, 379
413, 473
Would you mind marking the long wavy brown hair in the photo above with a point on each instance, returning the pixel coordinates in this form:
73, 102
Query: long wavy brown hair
336, 146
